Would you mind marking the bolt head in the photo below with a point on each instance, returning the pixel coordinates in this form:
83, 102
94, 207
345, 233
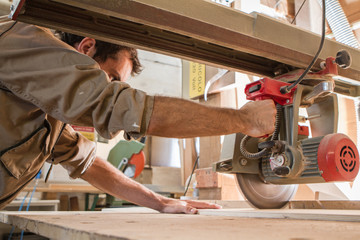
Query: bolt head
243, 162
280, 159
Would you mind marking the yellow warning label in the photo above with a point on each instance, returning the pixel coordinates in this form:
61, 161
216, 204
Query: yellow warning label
88, 135
197, 79
88, 132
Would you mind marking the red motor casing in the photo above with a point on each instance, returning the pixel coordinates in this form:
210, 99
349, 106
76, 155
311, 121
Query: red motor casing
338, 158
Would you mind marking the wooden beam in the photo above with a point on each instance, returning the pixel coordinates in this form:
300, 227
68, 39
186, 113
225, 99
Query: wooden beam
259, 45
351, 9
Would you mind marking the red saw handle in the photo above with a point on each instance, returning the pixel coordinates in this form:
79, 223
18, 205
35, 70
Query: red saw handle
268, 88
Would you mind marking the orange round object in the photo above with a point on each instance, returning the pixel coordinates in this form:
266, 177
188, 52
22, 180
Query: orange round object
338, 158
139, 161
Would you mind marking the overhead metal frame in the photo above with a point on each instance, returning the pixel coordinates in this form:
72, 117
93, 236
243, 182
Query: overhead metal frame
195, 30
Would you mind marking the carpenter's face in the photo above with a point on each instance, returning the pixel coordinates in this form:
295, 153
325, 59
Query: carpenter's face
118, 68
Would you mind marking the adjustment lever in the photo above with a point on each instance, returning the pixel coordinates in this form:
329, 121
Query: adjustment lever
320, 90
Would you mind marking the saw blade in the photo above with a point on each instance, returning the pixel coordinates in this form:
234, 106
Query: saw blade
264, 195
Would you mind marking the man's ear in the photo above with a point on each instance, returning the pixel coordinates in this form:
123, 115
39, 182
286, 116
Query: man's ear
87, 46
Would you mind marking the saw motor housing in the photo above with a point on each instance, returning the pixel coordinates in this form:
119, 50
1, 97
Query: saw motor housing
300, 155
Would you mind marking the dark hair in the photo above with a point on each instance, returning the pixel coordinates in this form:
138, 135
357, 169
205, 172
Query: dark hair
104, 50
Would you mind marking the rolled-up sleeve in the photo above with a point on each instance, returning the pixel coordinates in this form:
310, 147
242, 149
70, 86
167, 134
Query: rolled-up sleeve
68, 85
74, 152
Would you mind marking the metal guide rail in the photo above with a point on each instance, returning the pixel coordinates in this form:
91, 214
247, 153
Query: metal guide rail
195, 30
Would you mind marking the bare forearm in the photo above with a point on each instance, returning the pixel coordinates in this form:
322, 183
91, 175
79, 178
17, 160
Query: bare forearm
110, 180
173, 117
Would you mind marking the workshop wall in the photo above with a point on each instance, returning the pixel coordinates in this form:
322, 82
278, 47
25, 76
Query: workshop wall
161, 75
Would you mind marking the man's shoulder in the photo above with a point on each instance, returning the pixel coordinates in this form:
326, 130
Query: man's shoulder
28, 35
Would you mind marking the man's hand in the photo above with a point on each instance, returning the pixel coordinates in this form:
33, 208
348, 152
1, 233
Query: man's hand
186, 206
259, 118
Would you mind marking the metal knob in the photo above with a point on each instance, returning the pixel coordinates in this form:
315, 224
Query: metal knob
343, 59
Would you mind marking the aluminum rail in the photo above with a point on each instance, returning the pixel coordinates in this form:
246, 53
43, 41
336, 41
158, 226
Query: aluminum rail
195, 30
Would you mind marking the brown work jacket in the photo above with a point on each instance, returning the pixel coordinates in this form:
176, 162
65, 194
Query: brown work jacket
45, 83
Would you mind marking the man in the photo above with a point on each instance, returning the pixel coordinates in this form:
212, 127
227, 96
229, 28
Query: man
45, 83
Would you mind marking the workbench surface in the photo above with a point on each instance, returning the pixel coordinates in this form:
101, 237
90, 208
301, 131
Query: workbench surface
141, 223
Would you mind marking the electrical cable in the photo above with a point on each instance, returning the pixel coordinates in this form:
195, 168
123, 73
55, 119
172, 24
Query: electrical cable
37, 177
20, 208
192, 172
298, 11
287, 89
31, 196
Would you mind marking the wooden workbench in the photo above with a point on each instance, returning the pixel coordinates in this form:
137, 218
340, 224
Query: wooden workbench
140, 223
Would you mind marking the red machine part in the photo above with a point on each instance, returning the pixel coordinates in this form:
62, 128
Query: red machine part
338, 158
268, 88
138, 160
303, 130
331, 68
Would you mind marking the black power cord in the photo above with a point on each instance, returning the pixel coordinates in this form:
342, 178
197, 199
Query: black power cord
298, 11
287, 89
192, 172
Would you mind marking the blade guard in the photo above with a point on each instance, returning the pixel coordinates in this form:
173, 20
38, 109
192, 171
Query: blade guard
268, 88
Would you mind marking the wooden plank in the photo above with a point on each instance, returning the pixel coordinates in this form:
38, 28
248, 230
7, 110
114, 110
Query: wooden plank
64, 203
49, 195
231, 203
66, 188
210, 147
74, 204
304, 214
147, 151
126, 225
36, 205
188, 157
347, 118
348, 205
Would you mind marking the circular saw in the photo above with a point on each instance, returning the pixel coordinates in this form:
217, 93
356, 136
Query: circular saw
302, 149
